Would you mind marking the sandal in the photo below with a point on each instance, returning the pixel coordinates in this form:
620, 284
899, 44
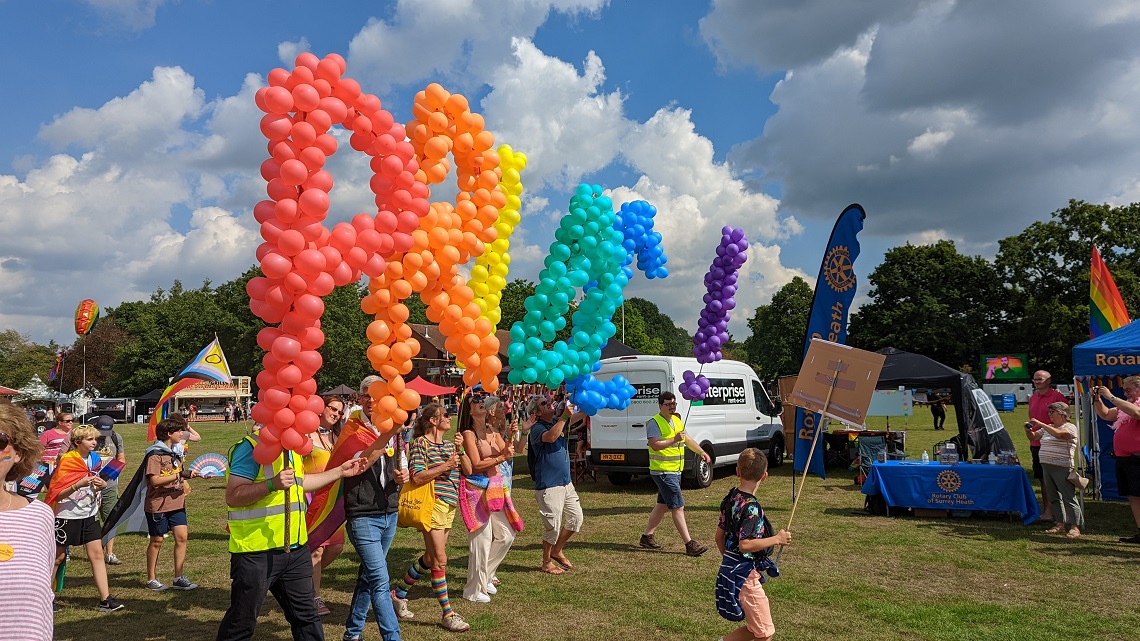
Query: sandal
552, 569
1056, 529
563, 561
1073, 533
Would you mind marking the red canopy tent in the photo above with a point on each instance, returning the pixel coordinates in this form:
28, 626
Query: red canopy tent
8, 391
426, 388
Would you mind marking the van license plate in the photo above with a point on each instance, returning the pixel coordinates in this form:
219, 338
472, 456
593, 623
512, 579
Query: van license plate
612, 457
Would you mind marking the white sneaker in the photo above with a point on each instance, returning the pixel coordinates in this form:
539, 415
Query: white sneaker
478, 597
401, 608
454, 623
154, 585
491, 589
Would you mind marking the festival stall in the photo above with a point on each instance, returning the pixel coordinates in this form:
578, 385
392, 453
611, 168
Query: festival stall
1104, 360
978, 421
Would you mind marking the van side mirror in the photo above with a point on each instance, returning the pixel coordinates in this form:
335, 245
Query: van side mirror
775, 408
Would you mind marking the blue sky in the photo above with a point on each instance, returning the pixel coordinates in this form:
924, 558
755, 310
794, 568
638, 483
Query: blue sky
129, 149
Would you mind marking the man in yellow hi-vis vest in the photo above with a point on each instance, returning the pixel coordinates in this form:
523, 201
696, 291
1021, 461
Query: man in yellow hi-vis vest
667, 442
258, 497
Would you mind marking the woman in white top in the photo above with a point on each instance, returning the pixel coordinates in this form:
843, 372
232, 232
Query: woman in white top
1058, 445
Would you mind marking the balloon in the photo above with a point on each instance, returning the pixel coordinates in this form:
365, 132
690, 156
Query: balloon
711, 334
86, 316
591, 251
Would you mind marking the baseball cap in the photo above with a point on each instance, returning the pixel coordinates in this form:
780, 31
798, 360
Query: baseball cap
103, 423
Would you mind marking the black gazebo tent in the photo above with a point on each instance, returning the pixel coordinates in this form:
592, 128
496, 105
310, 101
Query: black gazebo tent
971, 404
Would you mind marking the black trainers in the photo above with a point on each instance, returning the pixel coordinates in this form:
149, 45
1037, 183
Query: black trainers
692, 548
56, 607
1135, 538
110, 604
649, 543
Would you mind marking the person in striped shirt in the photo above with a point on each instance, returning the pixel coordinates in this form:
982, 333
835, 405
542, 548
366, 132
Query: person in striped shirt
436, 460
27, 544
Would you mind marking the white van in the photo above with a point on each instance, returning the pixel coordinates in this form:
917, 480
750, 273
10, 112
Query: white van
736, 414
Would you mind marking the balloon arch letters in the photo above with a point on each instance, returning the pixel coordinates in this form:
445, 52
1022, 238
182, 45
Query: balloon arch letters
409, 245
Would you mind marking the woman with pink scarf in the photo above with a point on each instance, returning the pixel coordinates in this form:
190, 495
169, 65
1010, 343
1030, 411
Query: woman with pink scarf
484, 499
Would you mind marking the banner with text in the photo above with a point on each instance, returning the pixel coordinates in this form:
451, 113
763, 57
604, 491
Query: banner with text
834, 291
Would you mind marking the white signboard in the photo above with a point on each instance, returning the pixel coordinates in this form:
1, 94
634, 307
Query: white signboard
891, 402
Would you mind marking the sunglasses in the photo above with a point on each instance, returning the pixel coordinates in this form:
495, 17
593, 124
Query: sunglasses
5, 440
66, 420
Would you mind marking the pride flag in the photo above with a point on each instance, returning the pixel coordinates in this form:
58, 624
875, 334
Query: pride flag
1106, 308
326, 509
209, 365
56, 368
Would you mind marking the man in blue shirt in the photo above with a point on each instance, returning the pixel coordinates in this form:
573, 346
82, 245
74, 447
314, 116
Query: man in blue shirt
558, 503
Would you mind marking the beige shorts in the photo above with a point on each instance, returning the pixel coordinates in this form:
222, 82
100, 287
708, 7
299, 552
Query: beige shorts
560, 510
442, 515
754, 602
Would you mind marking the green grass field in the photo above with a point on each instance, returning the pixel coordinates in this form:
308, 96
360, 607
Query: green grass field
847, 575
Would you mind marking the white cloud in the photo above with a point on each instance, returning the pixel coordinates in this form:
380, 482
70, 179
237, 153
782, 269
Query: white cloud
543, 107
555, 114
135, 15
462, 40
287, 52
145, 123
108, 223
928, 143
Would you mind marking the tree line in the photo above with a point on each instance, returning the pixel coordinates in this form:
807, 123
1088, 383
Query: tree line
1033, 297
137, 346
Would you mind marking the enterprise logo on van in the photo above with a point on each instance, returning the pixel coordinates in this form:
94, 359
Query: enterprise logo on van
646, 391
726, 391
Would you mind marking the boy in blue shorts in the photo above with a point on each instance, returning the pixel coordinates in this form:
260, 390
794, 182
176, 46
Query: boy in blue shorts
165, 503
745, 540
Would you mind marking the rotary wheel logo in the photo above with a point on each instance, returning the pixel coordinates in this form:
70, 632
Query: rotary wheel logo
949, 481
838, 270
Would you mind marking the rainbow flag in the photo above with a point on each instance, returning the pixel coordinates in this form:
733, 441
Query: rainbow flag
326, 510
56, 368
1106, 308
209, 365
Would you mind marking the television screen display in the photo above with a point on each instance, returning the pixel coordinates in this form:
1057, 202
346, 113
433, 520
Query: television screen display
1005, 367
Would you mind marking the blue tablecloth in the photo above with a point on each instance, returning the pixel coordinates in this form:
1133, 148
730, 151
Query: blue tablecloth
990, 488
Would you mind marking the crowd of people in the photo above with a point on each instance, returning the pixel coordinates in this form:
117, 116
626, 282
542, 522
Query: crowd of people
281, 534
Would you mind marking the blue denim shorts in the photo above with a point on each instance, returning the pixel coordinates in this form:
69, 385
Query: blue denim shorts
159, 523
669, 489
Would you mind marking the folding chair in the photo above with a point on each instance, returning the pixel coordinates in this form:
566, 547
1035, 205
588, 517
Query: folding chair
870, 448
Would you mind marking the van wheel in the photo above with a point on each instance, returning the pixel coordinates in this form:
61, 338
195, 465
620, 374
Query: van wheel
776, 453
703, 475
620, 478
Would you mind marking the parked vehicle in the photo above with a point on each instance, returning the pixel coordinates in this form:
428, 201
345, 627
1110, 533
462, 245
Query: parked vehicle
120, 409
737, 413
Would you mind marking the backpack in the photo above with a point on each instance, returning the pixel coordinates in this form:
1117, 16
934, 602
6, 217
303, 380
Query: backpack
531, 457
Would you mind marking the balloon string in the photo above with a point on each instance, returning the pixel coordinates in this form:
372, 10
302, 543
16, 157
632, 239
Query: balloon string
288, 497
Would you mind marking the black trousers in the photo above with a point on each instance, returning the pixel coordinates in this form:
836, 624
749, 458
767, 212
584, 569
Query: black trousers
289, 576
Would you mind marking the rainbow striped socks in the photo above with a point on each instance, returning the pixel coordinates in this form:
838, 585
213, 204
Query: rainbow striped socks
416, 571
439, 588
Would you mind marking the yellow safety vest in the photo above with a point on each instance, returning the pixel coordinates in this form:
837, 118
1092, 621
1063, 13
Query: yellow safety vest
672, 458
261, 526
